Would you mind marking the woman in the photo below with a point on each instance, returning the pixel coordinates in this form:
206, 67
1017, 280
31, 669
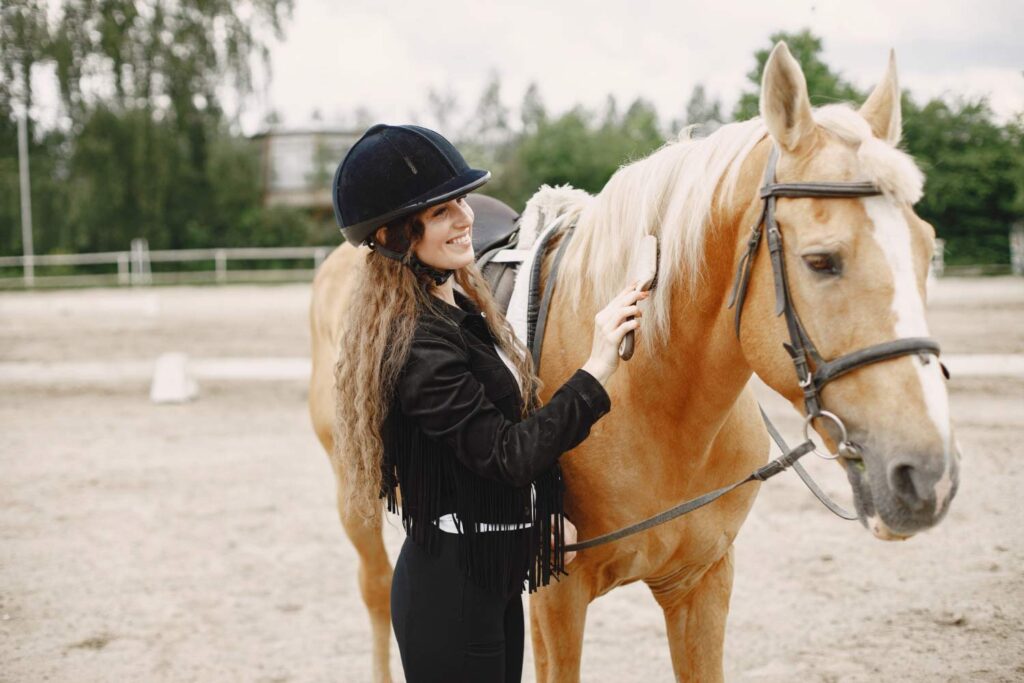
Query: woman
431, 417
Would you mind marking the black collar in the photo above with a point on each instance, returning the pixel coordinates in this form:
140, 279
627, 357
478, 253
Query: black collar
464, 308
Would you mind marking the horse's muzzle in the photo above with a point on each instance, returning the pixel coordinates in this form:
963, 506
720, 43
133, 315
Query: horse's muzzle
902, 494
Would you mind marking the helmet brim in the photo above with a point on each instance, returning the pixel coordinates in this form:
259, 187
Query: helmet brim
357, 233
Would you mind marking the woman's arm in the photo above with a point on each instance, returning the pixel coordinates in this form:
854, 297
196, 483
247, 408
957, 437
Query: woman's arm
438, 391
442, 395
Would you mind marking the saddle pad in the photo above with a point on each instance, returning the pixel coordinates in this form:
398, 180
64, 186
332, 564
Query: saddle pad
519, 304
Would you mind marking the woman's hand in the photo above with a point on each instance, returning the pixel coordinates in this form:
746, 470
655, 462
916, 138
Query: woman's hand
570, 537
610, 325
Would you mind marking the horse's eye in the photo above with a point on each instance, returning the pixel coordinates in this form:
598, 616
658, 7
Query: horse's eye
823, 264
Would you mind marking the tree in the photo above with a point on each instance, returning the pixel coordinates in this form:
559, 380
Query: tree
823, 85
973, 168
701, 111
149, 151
579, 147
442, 106
172, 57
488, 134
23, 38
532, 112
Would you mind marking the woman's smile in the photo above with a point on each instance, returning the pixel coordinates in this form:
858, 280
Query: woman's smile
462, 240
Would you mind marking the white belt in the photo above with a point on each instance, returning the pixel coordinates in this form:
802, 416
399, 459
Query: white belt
447, 523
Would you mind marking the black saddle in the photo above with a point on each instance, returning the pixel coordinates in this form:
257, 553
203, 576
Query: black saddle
495, 229
494, 223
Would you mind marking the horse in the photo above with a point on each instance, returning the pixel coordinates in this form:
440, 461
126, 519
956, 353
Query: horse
684, 419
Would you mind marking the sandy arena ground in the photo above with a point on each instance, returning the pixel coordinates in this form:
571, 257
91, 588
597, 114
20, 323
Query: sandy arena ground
199, 542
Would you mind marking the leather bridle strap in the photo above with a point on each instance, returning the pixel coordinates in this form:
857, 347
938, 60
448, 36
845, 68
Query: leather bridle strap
827, 190
828, 371
535, 334
804, 475
813, 372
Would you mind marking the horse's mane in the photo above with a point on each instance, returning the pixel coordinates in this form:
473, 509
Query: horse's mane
676, 186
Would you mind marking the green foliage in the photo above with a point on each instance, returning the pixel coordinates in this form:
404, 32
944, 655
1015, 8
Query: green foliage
824, 86
24, 35
701, 112
974, 166
974, 173
156, 156
578, 147
171, 56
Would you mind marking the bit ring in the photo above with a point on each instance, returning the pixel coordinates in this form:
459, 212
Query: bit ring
844, 443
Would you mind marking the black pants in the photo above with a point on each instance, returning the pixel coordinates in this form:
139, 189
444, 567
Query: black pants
449, 629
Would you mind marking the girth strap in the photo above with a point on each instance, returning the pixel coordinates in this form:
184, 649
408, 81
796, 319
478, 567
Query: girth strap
535, 335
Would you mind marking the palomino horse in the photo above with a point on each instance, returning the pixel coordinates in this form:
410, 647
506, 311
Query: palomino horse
684, 420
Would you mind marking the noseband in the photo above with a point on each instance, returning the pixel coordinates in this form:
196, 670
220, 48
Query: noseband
812, 371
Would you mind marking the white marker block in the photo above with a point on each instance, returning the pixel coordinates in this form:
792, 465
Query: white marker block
171, 381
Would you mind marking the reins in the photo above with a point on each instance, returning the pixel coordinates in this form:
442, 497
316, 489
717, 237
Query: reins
813, 372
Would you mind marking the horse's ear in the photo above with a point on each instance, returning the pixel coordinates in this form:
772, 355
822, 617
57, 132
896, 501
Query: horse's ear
785, 107
882, 110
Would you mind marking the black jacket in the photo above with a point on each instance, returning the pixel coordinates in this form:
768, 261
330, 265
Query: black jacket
454, 441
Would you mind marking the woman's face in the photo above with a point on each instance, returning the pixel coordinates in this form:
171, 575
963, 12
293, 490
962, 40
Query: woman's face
447, 235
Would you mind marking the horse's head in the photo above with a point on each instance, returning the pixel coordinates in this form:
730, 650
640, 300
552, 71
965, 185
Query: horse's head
857, 268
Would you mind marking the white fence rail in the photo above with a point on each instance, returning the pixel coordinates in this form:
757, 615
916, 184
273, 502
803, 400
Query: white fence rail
134, 267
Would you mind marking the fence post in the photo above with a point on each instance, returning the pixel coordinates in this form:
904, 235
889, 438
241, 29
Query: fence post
318, 257
938, 264
123, 268
29, 267
1017, 248
140, 271
220, 259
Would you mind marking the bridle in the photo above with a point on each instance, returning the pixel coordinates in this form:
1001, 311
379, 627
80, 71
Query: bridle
812, 371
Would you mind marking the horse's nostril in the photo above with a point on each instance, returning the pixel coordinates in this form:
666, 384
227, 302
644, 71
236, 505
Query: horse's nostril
906, 483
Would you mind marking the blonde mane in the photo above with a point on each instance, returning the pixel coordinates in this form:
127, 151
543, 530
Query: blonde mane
675, 187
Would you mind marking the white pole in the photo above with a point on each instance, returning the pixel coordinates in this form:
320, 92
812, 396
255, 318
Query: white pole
220, 259
26, 203
123, 268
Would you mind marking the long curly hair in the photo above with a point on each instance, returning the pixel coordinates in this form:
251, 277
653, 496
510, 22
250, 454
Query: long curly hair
374, 346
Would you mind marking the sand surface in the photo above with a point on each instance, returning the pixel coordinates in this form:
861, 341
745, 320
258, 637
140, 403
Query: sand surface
199, 542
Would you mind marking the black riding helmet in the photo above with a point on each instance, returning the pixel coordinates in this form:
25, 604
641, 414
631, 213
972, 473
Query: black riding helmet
395, 171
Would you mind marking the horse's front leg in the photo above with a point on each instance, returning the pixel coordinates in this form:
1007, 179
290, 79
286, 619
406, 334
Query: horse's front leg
695, 620
558, 615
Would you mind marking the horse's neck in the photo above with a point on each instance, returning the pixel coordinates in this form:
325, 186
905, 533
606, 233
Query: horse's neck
698, 375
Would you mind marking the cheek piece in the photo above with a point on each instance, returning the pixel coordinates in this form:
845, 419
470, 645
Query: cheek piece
418, 267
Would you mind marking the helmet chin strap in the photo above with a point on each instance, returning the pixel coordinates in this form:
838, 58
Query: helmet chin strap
418, 267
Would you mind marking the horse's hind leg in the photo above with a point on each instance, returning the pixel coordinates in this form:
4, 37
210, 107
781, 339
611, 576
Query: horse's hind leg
558, 614
695, 621
374, 582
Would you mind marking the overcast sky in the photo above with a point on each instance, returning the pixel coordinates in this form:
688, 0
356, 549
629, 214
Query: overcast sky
385, 56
